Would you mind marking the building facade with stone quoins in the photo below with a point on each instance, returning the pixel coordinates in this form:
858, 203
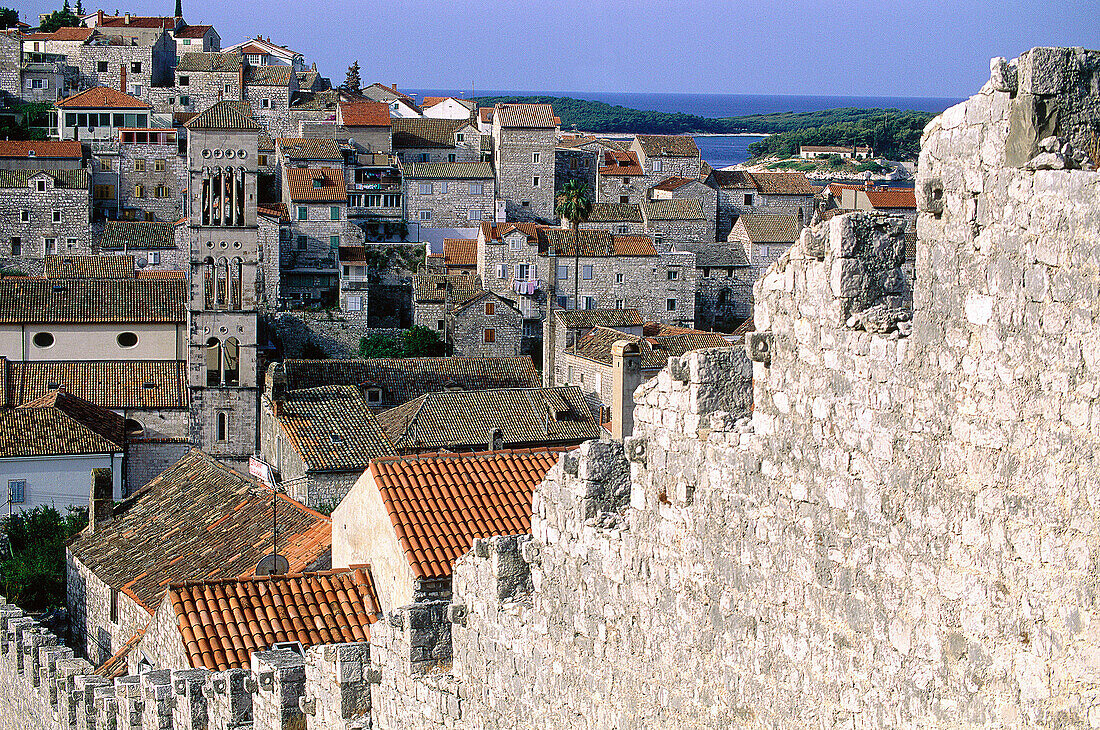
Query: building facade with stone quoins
448, 194
524, 139
740, 192
44, 212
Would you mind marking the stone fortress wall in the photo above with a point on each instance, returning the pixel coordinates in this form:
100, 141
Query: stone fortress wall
889, 524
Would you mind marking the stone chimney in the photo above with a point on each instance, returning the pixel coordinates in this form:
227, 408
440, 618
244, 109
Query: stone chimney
127, 19
122, 78
626, 375
101, 501
99, 17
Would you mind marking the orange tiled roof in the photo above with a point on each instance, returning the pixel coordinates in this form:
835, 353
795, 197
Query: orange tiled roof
365, 114
317, 185
439, 503
633, 246
102, 97
459, 252
193, 31
620, 163
485, 113
62, 34
160, 274
892, 198
527, 115
115, 667
136, 21
674, 182
222, 622
24, 148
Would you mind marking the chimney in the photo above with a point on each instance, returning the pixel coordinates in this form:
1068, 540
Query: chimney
240, 75
626, 374
122, 78
99, 17
496, 439
101, 502
393, 86
127, 20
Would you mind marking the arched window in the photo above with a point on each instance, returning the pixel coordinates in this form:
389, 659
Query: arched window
236, 268
724, 297
231, 362
213, 361
208, 283
133, 429
222, 433
223, 283
801, 217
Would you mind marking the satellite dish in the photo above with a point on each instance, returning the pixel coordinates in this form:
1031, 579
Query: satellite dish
142, 262
272, 564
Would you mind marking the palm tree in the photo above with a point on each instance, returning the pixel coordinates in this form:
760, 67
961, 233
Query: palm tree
573, 204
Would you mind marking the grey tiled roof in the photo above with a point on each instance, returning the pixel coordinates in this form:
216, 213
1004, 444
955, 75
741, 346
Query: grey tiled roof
616, 212
269, 75
224, 62
310, 148
139, 234
464, 419
675, 209
115, 384
654, 349
224, 115
526, 115
67, 179
447, 170
88, 267
59, 423
415, 132
665, 145
599, 317
332, 429
57, 301
715, 253
432, 288
769, 227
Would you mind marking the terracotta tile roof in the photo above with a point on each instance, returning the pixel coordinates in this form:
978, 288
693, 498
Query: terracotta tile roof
317, 185
115, 384
200, 62
527, 116
497, 231
715, 254
139, 234
265, 143
225, 115
619, 163
136, 21
102, 97
744, 328
421, 133
402, 379
324, 100
460, 252
193, 31
892, 198
331, 428
269, 75
654, 348
666, 145
769, 227
615, 213
310, 148
432, 287
463, 419
160, 274
88, 267
584, 318
274, 210
447, 170
390, 90
59, 423
221, 622
734, 179
590, 242
64, 179
485, 114
782, 183
51, 149
116, 666
633, 246
674, 182
92, 300
673, 209
439, 503
365, 114
199, 520
63, 34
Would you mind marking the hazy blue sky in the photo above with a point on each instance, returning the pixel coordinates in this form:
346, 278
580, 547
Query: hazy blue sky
842, 47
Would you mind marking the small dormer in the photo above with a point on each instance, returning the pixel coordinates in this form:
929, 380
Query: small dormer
41, 183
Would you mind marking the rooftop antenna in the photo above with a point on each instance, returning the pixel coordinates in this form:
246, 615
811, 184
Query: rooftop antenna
273, 563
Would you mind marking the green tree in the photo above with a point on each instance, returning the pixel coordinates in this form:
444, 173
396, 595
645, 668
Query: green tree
353, 82
179, 8
32, 573
64, 18
573, 204
421, 341
380, 344
8, 18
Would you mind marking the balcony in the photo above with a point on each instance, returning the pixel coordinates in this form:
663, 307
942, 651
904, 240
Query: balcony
527, 287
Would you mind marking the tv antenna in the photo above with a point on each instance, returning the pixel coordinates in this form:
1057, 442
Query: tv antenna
273, 563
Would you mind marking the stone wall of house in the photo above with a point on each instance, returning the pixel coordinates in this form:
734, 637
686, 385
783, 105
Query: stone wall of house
162, 189
666, 232
450, 204
71, 233
576, 164
11, 62
150, 457
154, 62
335, 334
723, 296
469, 324
513, 155
614, 188
95, 636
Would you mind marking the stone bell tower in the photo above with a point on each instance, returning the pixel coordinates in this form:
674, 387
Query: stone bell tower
222, 366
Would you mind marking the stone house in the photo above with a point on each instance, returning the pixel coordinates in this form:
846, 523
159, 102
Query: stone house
197, 520
49, 447
448, 194
407, 516
435, 297
389, 382
435, 140
676, 220
44, 212
588, 362
573, 161
316, 199
475, 420
66, 42
569, 325
447, 107
486, 325
661, 156
150, 174
813, 152
620, 179
11, 62
197, 39
270, 90
40, 155
98, 114
524, 143
400, 104
689, 188
765, 237
760, 192
127, 63
366, 124
156, 246
260, 51
205, 78
723, 284
236, 618
319, 440
459, 255
621, 219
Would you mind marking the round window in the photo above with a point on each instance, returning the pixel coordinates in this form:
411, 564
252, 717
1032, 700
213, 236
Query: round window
242, 154
206, 153
229, 153
217, 153
127, 339
43, 339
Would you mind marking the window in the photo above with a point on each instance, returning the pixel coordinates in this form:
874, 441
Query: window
473, 214
17, 491
127, 340
476, 189
618, 278
424, 188
100, 67
40, 185
670, 305
490, 308
452, 157
706, 273
135, 67
25, 216
185, 101
658, 240
423, 157
158, 165
334, 213
139, 165
515, 243
265, 103
301, 243
525, 204
586, 272
439, 325
16, 246
619, 304
355, 303
185, 81
535, 181
748, 198
623, 229
590, 302
563, 302
425, 215
70, 243
443, 187
626, 181
301, 212
490, 335
563, 272
51, 246
391, 200
103, 192
672, 274
228, 88
223, 427
334, 242
106, 165
523, 272
535, 156
460, 137
161, 191
657, 165
502, 271
374, 395
624, 199
42, 340
186, 41
139, 191
154, 257
261, 160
